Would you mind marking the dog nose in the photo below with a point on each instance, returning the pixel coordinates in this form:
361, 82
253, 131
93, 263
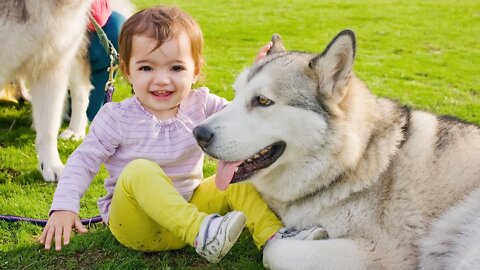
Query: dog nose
203, 136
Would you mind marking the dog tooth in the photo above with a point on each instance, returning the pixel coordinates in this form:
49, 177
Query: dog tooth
264, 151
256, 156
249, 160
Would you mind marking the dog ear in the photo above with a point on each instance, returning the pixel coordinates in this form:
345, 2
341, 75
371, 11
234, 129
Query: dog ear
277, 45
334, 65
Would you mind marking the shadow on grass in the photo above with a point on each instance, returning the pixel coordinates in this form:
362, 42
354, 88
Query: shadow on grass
21, 177
98, 249
17, 145
22, 109
16, 125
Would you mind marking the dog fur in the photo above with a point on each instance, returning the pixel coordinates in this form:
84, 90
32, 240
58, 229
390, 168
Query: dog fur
395, 188
47, 47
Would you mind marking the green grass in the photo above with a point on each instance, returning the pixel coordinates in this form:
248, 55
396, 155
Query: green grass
424, 54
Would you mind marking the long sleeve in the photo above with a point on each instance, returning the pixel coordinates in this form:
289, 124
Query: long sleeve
82, 166
214, 104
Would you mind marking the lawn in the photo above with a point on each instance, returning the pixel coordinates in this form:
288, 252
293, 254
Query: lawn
424, 54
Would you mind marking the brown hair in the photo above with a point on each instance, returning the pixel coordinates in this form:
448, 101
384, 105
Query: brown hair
160, 23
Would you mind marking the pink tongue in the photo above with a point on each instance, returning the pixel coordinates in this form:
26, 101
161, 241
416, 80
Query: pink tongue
225, 171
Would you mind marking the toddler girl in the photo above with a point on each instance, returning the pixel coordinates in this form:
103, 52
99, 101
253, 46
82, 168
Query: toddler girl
156, 199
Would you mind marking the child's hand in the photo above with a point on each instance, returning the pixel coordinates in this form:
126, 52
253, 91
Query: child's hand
60, 225
263, 51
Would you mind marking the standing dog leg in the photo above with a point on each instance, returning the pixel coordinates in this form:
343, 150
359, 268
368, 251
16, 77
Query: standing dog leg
79, 91
48, 93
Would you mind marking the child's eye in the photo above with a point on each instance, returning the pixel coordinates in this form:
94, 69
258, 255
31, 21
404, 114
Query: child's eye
145, 68
178, 68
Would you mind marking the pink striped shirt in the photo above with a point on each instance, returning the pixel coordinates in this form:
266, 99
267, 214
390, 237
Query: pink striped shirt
122, 132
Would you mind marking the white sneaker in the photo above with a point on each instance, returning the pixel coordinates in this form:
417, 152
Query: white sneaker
312, 233
218, 234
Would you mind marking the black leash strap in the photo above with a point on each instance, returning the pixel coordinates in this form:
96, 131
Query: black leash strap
43, 222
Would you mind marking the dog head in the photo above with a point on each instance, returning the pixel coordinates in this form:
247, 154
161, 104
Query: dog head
284, 119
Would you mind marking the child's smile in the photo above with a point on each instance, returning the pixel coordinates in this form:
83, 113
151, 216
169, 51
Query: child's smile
162, 95
161, 77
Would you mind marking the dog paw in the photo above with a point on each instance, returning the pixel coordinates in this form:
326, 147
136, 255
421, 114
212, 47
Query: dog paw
69, 134
51, 174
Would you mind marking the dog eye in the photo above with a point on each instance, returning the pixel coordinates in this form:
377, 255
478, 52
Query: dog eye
262, 101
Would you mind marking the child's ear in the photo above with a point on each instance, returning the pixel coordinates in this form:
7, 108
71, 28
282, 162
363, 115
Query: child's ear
196, 75
124, 70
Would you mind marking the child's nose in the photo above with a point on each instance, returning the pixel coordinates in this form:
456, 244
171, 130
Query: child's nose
162, 77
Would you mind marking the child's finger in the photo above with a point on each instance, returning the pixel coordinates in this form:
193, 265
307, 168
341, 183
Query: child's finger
58, 238
41, 239
266, 47
79, 226
263, 51
67, 231
49, 237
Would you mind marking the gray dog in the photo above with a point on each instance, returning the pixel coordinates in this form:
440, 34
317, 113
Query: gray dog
395, 188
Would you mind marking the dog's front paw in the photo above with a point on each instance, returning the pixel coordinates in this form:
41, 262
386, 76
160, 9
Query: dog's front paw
51, 173
69, 134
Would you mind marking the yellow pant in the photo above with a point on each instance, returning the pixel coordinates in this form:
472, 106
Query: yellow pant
148, 214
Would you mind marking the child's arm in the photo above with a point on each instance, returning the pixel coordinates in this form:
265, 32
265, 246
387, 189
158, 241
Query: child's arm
60, 224
99, 144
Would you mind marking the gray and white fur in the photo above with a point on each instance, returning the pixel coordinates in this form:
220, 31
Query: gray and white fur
395, 188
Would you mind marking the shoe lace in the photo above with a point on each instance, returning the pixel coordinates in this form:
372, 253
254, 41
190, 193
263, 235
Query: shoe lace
287, 233
205, 239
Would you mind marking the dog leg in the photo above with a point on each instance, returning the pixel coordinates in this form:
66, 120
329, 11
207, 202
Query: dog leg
48, 93
23, 90
79, 91
306, 255
454, 239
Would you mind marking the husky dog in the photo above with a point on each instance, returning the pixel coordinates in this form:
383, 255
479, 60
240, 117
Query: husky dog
395, 188
47, 47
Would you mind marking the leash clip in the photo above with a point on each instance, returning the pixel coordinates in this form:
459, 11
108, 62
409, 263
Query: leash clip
110, 84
